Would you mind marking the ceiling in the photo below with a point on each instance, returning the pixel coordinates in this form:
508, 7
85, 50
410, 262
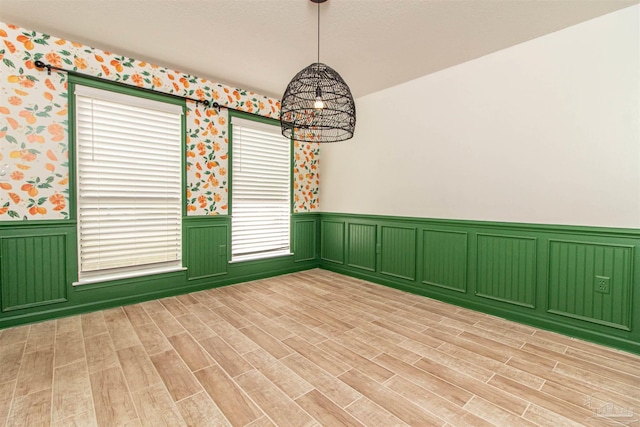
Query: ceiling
261, 44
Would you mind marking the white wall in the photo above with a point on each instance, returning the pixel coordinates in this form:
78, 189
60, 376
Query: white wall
544, 132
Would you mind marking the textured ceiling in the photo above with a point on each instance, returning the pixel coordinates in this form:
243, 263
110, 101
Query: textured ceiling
261, 44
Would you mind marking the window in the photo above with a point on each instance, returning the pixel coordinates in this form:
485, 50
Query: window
129, 184
260, 192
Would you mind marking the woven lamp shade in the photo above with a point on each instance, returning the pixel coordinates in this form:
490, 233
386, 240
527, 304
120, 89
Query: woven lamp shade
300, 116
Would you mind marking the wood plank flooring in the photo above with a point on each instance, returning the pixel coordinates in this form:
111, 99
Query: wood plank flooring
308, 349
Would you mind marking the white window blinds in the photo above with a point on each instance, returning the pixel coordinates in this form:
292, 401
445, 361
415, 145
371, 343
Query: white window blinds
128, 154
260, 193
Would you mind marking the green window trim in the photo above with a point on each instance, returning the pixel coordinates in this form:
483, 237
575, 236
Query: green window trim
73, 82
269, 121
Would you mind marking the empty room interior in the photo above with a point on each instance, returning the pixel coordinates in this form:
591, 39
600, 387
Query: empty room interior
319, 213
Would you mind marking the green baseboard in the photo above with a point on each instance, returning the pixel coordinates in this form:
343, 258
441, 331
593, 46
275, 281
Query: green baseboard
55, 311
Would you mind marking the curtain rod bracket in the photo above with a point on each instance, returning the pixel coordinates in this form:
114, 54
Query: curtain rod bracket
40, 65
204, 102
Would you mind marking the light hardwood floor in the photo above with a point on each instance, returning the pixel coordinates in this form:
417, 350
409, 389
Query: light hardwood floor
307, 349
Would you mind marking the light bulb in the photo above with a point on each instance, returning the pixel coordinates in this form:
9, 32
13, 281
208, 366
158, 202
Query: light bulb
318, 103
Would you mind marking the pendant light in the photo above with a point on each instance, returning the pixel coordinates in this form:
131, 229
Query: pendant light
317, 105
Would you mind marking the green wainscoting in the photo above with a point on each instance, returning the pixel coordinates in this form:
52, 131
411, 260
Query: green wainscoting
206, 252
33, 268
306, 244
444, 259
361, 247
398, 251
580, 281
332, 241
506, 268
38, 266
573, 268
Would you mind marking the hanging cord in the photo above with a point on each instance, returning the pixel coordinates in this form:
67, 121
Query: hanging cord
318, 104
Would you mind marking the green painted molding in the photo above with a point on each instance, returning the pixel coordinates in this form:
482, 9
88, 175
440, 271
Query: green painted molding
38, 223
554, 228
120, 87
206, 219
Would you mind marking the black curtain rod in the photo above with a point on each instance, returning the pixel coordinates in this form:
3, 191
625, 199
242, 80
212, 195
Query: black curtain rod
41, 65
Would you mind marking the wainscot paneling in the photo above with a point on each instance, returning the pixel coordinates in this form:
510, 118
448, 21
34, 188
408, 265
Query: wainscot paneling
398, 252
591, 282
207, 250
332, 245
579, 281
361, 248
34, 270
506, 268
305, 232
444, 259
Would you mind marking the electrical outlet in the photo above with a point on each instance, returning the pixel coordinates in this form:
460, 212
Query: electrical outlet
603, 284
4, 172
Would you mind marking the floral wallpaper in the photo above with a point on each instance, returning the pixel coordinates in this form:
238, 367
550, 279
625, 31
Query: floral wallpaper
33, 131
34, 126
306, 176
207, 165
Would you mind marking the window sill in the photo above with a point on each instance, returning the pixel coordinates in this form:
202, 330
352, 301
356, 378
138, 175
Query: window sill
127, 275
259, 257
